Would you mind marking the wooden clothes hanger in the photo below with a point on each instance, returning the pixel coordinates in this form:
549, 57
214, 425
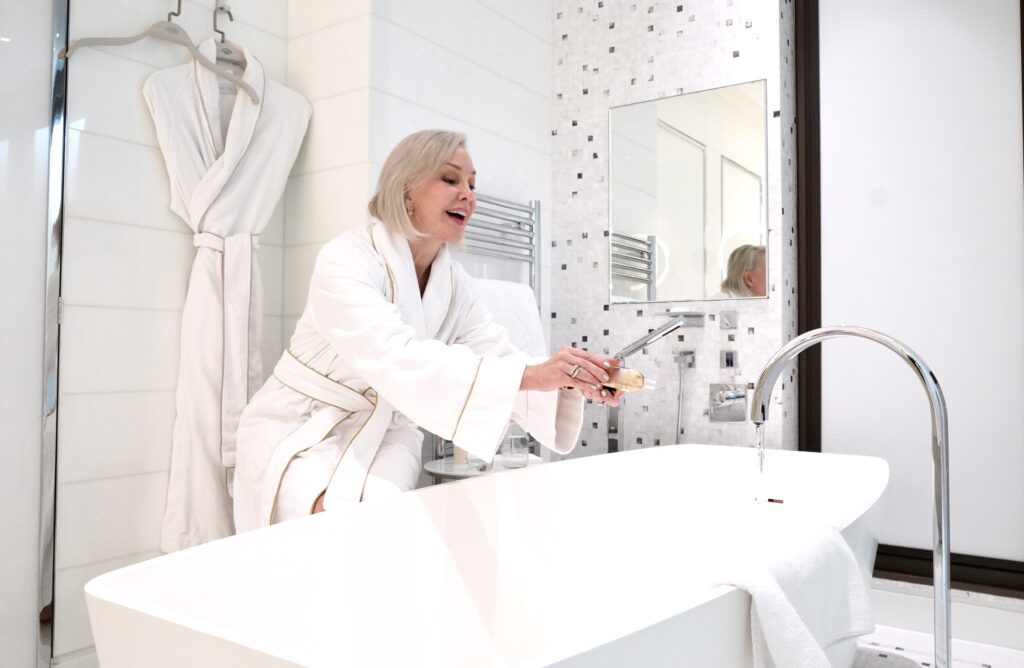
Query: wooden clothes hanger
171, 32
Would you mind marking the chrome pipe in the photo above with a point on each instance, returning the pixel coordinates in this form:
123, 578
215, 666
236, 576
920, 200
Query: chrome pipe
476, 235
640, 264
535, 269
515, 230
639, 274
516, 222
649, 338
940, 455
508, 204
639, 255
684, 360
489, 252
629, 237
638, 247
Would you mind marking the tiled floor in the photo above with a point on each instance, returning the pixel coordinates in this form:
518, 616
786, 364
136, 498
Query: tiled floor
889, 647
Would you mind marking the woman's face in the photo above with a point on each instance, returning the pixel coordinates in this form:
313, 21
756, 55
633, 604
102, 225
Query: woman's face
441, 206
755, 280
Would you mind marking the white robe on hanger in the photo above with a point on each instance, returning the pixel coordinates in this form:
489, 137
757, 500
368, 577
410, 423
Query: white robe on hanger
371, 359
225, 188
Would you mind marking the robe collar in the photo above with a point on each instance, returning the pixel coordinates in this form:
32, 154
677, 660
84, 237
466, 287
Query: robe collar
222, 155
427, 313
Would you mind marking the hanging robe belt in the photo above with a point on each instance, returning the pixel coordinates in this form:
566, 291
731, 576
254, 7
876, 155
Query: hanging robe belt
236, 271
364, 416
218, 243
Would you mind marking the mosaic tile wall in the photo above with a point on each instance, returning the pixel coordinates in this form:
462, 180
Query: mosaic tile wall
617, 52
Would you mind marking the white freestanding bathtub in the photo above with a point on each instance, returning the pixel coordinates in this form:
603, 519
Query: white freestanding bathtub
600, 561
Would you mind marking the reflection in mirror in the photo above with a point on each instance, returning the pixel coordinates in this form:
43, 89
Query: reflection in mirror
688, 209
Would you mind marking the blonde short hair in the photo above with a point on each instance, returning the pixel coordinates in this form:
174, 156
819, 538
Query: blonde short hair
415, 159
741, 260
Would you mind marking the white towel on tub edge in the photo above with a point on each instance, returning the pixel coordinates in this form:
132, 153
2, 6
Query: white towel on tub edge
807, 593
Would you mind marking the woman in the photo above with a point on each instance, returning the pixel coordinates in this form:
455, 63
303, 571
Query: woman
746, 274
393, 338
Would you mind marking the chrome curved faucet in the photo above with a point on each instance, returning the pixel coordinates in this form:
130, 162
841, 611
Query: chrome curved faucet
940, 454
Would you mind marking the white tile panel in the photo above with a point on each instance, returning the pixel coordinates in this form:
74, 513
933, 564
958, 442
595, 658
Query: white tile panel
110, 264
430, 74
331, 61
71, 630
105, 96
269, 49
305, 16
288, 328
323, 204
505, 168
477, 34
118, 350
97, 169
337, 133
267, 15
271, 262
272, 344
104, 435
273, 233
535, 15
298, 263
109, 518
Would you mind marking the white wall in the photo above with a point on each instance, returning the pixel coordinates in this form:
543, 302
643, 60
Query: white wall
25, 38
922, 238
328, 63
379, 71
480, 67
126, 264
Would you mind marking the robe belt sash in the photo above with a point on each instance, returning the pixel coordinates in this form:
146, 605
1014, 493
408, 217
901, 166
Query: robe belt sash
237, 250
365, 417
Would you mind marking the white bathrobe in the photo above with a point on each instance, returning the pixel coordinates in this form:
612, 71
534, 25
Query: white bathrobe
371, 359
225, 187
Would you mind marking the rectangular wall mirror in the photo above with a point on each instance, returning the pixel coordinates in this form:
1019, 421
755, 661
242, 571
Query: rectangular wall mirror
687, 179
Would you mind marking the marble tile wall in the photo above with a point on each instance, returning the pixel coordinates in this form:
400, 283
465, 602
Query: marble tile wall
618, 52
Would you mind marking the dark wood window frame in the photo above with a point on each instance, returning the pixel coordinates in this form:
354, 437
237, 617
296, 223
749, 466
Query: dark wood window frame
995, 576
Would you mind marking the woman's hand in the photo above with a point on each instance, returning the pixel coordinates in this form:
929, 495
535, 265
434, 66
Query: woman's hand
571, 367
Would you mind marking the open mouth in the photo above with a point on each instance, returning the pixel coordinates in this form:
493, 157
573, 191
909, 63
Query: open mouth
457, 216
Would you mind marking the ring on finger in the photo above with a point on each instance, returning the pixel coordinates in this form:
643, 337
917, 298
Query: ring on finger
575, 371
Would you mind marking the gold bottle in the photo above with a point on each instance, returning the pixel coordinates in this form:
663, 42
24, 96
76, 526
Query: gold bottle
627, 380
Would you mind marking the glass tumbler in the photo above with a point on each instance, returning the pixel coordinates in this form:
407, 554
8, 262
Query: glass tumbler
515, 447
